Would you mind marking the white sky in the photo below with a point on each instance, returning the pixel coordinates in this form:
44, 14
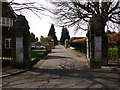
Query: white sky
41, 26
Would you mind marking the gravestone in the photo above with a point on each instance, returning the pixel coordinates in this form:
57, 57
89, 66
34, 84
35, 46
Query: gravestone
96, 43
22, 53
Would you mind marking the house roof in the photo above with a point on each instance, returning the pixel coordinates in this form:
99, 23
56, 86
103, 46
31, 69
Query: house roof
7, 9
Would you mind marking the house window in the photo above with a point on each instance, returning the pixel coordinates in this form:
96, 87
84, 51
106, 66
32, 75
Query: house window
6, 21
11, 22
3, 20
8, 43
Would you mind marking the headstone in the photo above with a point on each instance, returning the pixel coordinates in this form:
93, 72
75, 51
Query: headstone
22, 53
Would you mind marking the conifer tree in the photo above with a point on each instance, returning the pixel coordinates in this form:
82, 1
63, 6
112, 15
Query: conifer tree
52, 34
32, 35
64, 35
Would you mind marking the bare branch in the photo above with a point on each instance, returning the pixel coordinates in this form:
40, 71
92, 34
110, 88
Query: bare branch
35, 7
114, 8
73, 13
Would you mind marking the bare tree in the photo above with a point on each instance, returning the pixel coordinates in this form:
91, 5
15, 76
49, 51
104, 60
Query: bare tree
74, 12
27, 5
78, 13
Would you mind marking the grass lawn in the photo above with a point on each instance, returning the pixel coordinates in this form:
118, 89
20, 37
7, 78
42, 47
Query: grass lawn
34, 54
37, 53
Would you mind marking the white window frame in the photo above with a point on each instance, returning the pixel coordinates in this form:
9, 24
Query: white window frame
9, 42
8, 21
3, 19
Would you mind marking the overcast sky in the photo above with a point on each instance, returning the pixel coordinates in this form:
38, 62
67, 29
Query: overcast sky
41, 26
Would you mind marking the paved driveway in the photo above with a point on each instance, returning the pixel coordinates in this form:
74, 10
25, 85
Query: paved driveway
62, 58
62, 69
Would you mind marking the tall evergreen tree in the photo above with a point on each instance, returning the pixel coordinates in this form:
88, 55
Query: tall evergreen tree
32, 35
36, 39
64, 35
52, 34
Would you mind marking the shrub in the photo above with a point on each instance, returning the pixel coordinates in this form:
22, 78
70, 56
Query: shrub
79, 44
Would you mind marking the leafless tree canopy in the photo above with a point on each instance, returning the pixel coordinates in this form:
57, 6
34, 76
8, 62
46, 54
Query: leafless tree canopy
77, 12
74, 12
27, 5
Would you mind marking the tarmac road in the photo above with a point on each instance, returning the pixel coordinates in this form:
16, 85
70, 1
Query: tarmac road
62, 69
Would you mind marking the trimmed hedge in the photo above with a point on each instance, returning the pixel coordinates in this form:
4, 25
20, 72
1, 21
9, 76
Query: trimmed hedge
81, 46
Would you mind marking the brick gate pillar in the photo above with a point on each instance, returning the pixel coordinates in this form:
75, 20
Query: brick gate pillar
22, 53
97, 43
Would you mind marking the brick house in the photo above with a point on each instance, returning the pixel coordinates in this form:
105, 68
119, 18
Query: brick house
6, 22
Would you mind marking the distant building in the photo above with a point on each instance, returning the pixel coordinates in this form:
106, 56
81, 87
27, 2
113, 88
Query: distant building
6, 22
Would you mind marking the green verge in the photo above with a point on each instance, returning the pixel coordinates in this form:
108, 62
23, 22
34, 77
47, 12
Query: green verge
35, 55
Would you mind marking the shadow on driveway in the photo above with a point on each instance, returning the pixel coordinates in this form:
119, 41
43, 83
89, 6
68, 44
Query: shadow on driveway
58, 57
107, 79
